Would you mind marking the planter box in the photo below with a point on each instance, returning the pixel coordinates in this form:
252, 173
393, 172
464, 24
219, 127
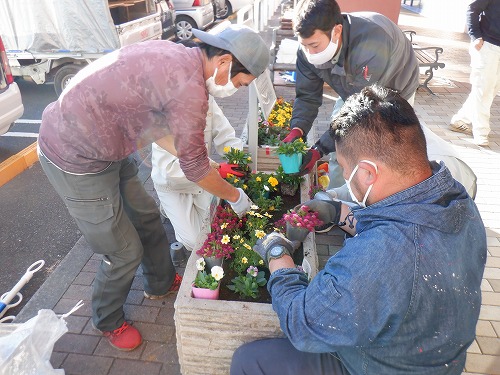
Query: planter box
267, 160
208, 332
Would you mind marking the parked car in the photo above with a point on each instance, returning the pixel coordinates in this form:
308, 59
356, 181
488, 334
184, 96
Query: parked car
167, 13
11, 104
232, 6
197, 14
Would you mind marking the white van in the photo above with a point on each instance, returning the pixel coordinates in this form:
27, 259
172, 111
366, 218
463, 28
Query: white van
57, 38
11, 104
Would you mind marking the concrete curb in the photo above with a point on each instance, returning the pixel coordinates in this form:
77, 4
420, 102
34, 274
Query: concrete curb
16, 164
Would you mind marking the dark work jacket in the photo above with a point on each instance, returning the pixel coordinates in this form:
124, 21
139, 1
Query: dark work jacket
374, 50
483, 20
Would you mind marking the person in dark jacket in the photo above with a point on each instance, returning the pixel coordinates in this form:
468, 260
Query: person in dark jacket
348, 52
484, 29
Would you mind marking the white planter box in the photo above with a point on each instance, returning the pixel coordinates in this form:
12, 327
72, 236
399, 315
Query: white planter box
208, 332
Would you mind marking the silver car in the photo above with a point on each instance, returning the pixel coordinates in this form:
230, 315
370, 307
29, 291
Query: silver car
11, 104
197, 14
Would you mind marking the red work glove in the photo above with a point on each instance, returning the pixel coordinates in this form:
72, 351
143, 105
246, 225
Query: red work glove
293, 135
308, 161
226, 168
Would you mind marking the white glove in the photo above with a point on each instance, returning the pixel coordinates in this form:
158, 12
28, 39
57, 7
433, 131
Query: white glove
242, 205
326, 195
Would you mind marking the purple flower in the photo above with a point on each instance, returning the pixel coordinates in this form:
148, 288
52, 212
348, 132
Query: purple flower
252, 271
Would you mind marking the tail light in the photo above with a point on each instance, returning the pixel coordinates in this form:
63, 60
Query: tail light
196, 3
5, 63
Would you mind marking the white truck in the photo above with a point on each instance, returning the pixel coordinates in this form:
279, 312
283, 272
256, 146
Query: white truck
53, 39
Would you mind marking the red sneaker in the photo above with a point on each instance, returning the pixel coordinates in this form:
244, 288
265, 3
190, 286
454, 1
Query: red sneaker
174, 288
125, 338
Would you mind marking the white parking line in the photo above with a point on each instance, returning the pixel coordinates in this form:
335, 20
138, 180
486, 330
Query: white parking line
20, 134
21, 121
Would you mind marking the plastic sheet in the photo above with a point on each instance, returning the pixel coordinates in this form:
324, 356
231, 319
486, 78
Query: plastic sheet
47, 26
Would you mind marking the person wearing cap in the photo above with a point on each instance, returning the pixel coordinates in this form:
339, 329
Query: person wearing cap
403, 294
154, 91
347, 51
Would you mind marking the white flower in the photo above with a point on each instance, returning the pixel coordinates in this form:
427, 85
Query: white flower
217, 273
200, 264
266, 188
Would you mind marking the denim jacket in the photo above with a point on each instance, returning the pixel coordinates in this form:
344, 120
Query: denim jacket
403, 295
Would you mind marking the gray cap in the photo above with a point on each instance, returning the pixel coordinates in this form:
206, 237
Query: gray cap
244, 43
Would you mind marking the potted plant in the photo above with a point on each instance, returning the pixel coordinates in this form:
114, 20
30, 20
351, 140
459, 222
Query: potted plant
277, 126
299, 222
215, 249
288, 183
247, 286
241, 158
261, 184
206, 286
290, 155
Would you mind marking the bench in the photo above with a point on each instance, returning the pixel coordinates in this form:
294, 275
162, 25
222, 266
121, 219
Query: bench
278, 36
428, 57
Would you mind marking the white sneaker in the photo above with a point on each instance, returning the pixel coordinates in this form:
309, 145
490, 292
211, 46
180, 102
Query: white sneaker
461, 127
481, 141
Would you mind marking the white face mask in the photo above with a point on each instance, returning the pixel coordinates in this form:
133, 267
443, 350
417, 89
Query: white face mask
324, 56
221, 91
348, 183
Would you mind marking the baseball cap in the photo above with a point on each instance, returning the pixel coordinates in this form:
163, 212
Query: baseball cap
244, 43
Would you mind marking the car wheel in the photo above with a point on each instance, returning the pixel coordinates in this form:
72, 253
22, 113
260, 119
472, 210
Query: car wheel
226, 11
185, 26
64, 75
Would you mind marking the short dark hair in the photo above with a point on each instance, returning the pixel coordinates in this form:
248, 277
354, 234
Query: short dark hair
313, 15
380, 123
212, 51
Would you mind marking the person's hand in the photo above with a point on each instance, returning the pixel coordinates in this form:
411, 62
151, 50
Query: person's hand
328, 212
309, 160
225, 168
274, 239
327, 195
294, 134
242, 205
478, 43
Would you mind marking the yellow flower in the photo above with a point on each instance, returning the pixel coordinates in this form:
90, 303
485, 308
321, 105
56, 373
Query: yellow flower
259, 233
229, 175
244, 260
225, 239
249, 158
261, 262
259, 215
273, 181
267, 214
254, 207
223, 226
247, 246
227, 149
236, 237
245, 187
258, 179
242, 240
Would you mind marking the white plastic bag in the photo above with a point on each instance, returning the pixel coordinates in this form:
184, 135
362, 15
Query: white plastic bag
27, 349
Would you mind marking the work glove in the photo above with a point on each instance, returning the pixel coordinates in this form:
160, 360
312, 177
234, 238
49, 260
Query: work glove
265, 244
242, 205
225, 168
328, 212
309, 160
294, 134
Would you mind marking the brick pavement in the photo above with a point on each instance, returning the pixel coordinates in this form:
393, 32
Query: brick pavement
83, 351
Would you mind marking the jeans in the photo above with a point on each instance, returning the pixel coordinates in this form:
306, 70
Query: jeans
278, 356
121, 221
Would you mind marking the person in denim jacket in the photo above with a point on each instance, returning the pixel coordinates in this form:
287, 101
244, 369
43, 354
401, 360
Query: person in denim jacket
403, 294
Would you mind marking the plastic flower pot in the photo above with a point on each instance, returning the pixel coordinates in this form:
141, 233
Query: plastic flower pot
205, 293
291, 163
296, 233
212, 261
288, 189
